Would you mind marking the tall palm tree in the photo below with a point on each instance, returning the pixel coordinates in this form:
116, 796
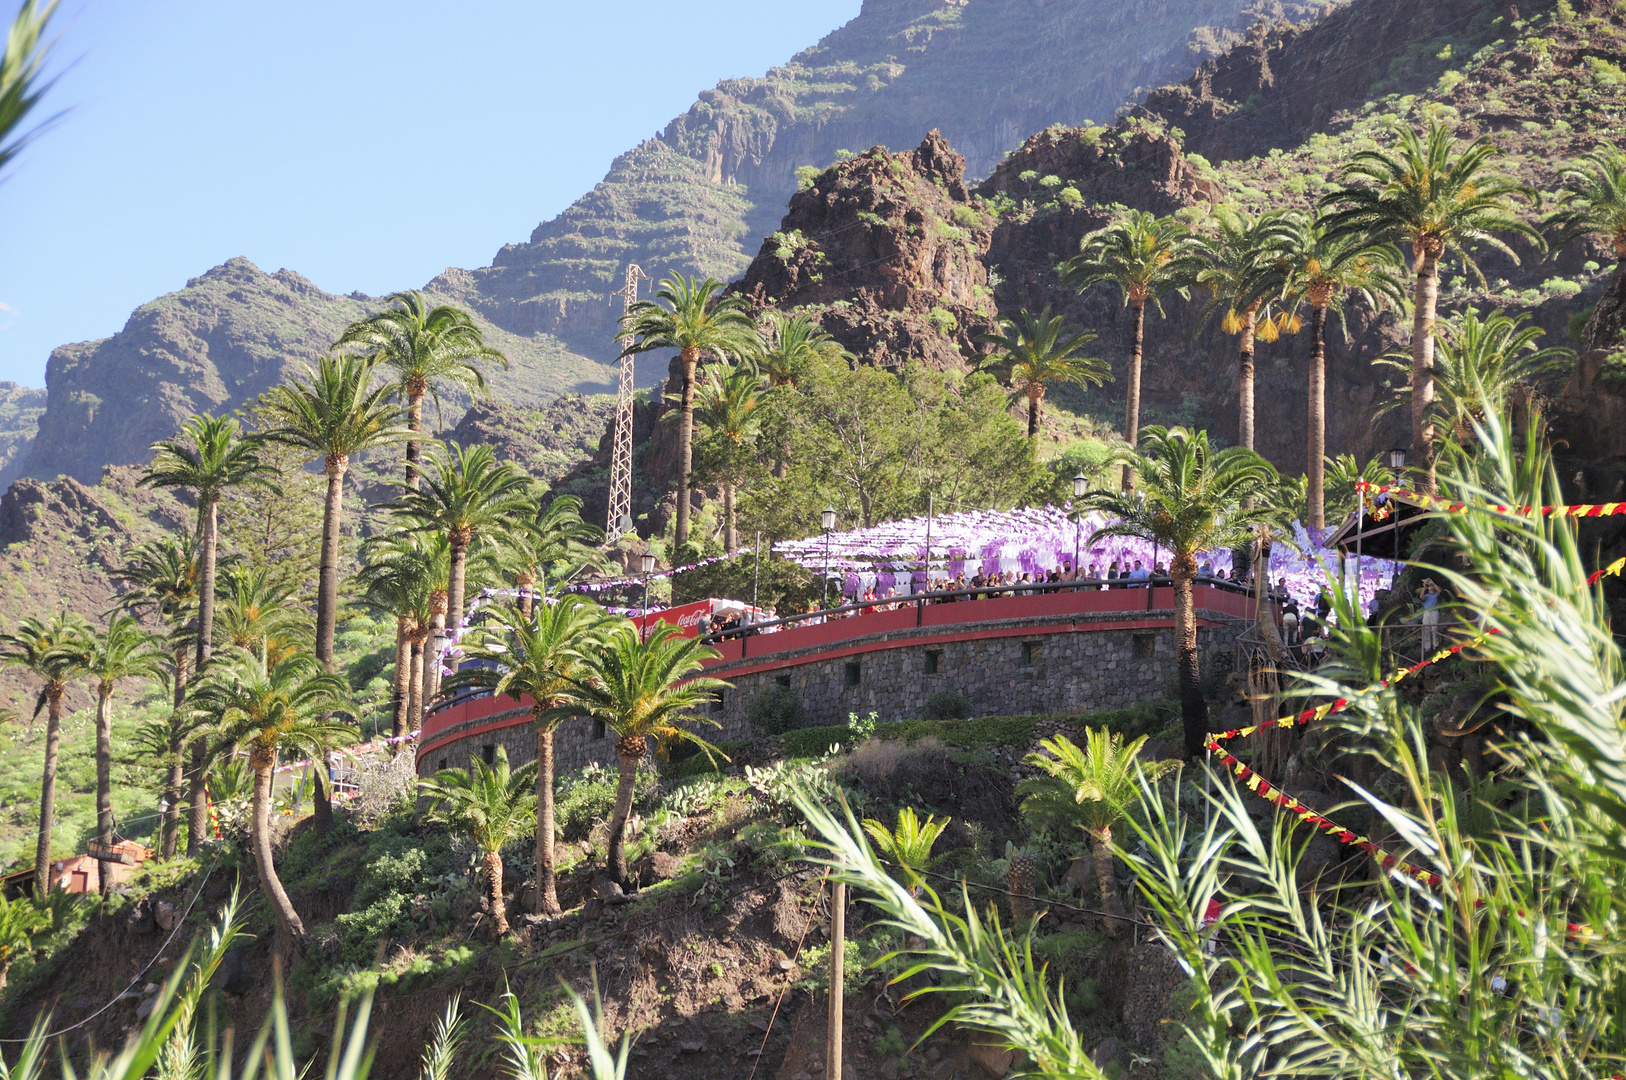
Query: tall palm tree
123, 651
398, 577
1093, 787
259, 613
540, 658
210, 457
21, 68
334, 413
1231, 258
163, 744
1477, 366
1146, 257
551, 544
789, 344
1036, 351
1303, 263
424, 345
1194, 499
44, 650
269, 709
1592, 200
163, 579
468, 496
727, 409
1437, 200
688, 315
644, 691
494, 806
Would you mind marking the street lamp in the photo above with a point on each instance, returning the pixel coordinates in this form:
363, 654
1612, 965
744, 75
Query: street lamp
1397, 461
827, 520
1397, 458
1081, 488
647, 562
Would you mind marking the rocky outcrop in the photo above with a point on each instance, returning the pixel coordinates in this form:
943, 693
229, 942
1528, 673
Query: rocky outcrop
546, 442
20, 410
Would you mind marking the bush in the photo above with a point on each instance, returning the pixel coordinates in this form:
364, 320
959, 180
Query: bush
948, 705
585, 798
776, 710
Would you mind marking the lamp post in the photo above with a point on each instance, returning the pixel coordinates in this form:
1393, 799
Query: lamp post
647, 562
1397, 462
827, 521
1081, 488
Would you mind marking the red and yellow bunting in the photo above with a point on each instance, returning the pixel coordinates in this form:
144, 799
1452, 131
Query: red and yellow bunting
1431, 502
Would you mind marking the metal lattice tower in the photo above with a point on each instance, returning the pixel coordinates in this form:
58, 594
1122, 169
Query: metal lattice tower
620, 515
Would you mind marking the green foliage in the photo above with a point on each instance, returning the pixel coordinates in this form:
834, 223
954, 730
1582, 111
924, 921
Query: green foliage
947, 705
860, 728
776, 710
585, 798
943, 320
910, 844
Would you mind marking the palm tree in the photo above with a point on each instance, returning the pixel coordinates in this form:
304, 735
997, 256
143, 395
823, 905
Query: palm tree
1343, 474
424, 345
643, 691
1302, 262
124, 651
727, 411
260, 613
551, 544
1092, 787
21, 921
269, 709
163, 575
20, 75
44, 650
334, 413
541, 659
163, 744
1037, 351
468, 496
1195, 500
209, 458
494, 806
1146, 257
789, 344
1592, 200
398, 577
687, 315
1427, 195
910, 844
1477, 366
1231, 258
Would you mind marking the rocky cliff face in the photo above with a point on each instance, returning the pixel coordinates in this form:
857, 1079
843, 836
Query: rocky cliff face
20, 410
216, 344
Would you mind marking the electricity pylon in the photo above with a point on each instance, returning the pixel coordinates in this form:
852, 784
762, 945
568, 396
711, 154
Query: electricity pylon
620, 515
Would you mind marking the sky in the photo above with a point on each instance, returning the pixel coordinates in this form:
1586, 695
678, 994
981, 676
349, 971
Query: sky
364, 144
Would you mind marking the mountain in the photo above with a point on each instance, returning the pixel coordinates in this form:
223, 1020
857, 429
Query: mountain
225, 338
20, 411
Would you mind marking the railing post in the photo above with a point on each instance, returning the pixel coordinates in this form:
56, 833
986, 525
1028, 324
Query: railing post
920, 610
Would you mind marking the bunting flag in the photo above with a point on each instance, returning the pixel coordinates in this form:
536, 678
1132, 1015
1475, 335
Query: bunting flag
1432, 502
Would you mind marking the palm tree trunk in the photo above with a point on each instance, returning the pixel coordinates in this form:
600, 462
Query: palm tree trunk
431, 655
53, 745
455, 584
493, 864
177, 772
1033, 415
209, 526
327, 614
1244, 379
527, 602
685, 443
1137, 338
415, 685
1193, 709
1264, 691
547, 887
1425, 297
197, 831
264, 865
619, 815
1106, 876
104, 776
403, 678
1316, 449
414, 446
731, 532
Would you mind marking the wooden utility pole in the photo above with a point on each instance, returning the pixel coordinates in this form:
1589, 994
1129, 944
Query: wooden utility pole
838, 973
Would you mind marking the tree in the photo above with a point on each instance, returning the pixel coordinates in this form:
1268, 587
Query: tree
21, 87
425, 346
643, 690
1195, 499
1343, 474
1426, 194
494, 806
789, 344
1037, 351
540, 657
163, 575
260, 613
727, 409
1478, 366
271, 709
1231, 258
1592, 200
910, 844
398, 577
468, 496
687, 315
1146, 258
551, 544
123, 651
44, 650
1092, 787
21, 921
334, 413
1303, 263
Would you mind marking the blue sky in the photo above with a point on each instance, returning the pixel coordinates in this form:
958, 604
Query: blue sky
364, 144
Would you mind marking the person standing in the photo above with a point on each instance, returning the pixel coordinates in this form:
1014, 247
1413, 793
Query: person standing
1431, 616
